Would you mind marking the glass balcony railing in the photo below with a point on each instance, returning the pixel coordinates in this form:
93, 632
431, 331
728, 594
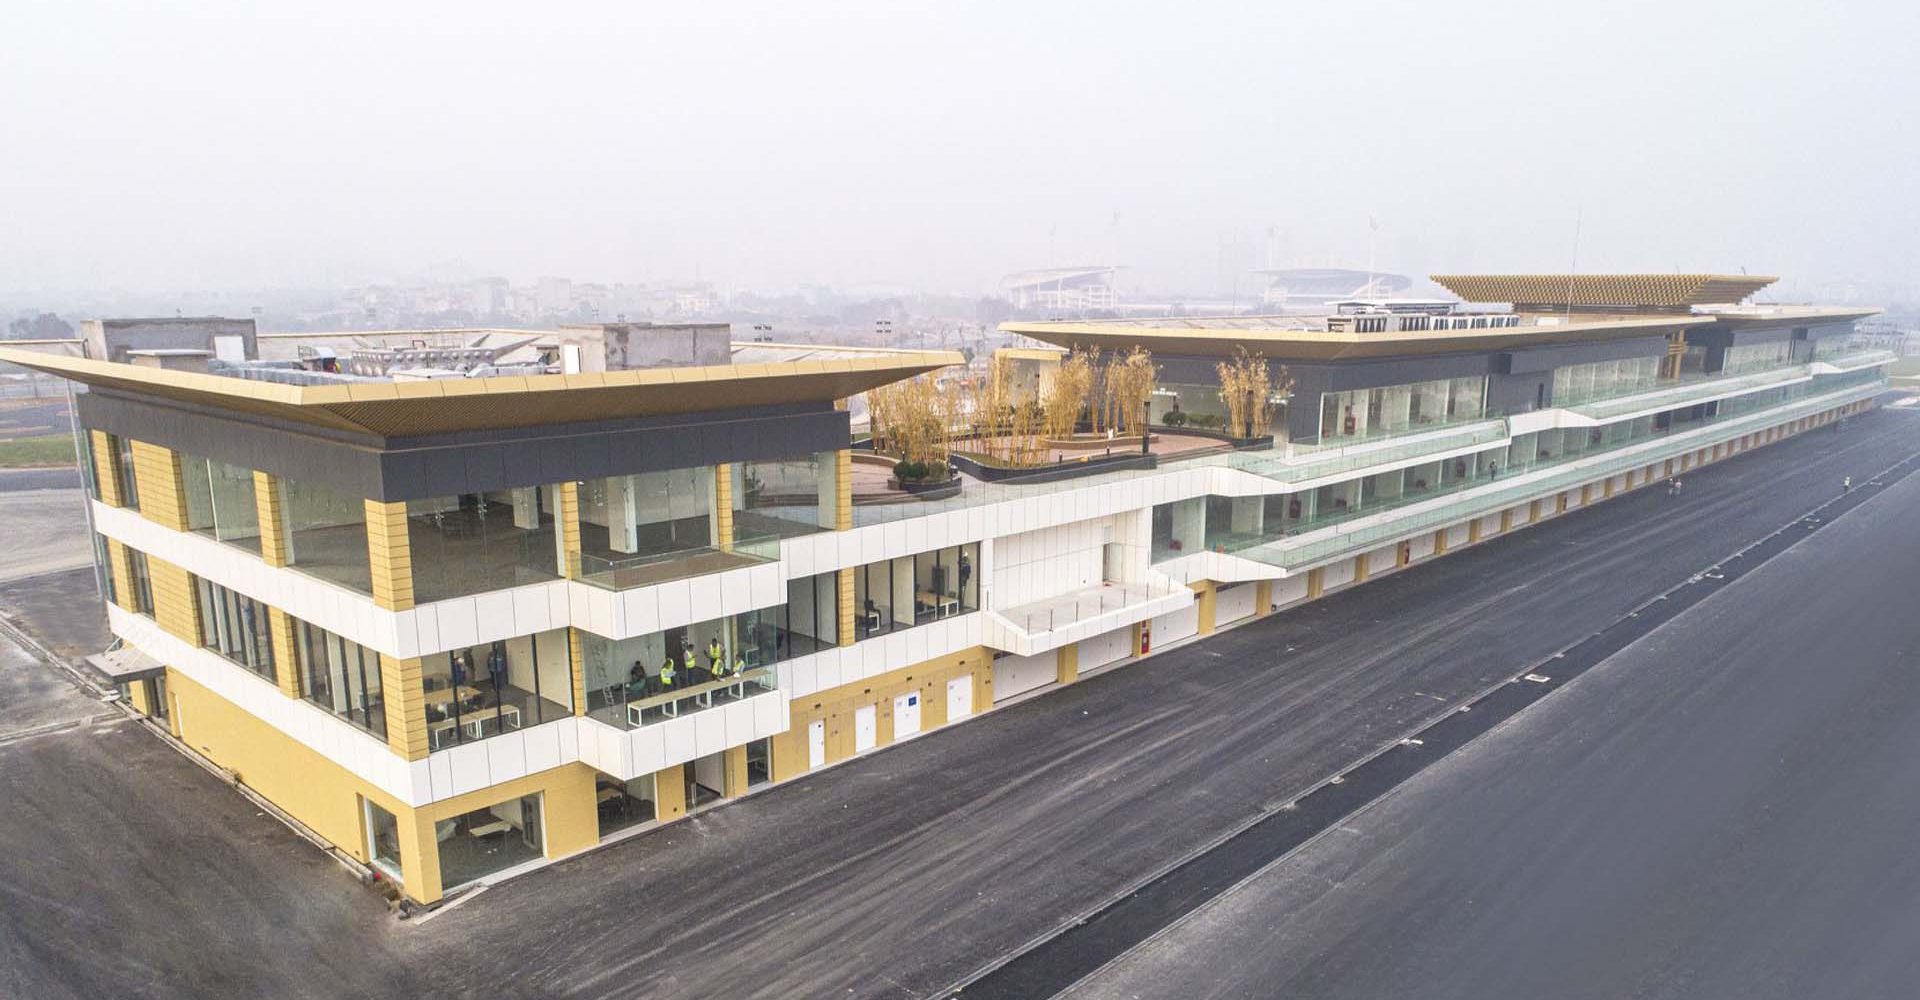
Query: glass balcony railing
1303, 462
1300, 463
662, 704
1688, 390
1857, 358
1482, 497
645, 569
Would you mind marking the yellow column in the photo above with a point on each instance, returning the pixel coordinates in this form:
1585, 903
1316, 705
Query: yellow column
1067, 663
1440, 542
1263, 597
1560, 502
843, 480
846, 607
734, 780
670, 793
567, 521
163, 496
270, 507
106, 467
176, 604
406, 706
1607, 489
1473, 531
723, 506
390, 554
1314, 585
1135, 635
1506, 520
788, 752
286, 663
1203, 600
137, 697
1586, 494
419, 854
577, 655
1402, 554
1533, 511
1360, 567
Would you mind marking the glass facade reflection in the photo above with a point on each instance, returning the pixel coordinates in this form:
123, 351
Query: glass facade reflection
327, 534
340, 676
476, 542
220, 501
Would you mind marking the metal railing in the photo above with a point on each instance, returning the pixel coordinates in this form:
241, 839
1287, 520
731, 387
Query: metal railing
1080, 606
1483, 498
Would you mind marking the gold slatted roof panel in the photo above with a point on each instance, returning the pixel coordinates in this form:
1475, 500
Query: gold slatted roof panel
406, 409
1605, 291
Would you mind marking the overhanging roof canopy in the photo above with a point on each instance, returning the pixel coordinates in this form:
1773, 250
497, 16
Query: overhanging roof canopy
1604, 291
1281, 339
406, 409
126, 665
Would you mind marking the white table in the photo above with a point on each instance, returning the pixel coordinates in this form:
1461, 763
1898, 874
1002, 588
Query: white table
509, 716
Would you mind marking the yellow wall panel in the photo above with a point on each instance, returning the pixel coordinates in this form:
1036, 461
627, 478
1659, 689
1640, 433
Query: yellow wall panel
406, 706
390, 553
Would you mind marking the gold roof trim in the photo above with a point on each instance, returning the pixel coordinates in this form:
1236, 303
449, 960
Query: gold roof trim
1328, 345
405, 409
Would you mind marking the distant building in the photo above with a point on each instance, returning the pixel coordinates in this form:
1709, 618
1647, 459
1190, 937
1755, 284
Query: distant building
1062, 289
1317, 286
554, 296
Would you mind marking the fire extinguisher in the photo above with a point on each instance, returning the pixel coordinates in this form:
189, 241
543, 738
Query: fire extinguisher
1146, 637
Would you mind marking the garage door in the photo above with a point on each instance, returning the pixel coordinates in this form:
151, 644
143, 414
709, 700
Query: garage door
1016, 675
1176, 625
1232, 603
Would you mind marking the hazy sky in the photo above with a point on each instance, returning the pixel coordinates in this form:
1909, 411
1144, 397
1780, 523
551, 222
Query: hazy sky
203, 145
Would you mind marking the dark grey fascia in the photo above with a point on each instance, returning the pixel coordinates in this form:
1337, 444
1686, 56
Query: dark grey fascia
391, 469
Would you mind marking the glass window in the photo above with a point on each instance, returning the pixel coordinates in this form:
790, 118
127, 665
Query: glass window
142, 582
759, 762
236, 627
383, 841
784, 498
477, 542
495, 687
89, 466
624, 804
812, 615
123, 468
327, 535
340, 676
478, 843
220, 501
